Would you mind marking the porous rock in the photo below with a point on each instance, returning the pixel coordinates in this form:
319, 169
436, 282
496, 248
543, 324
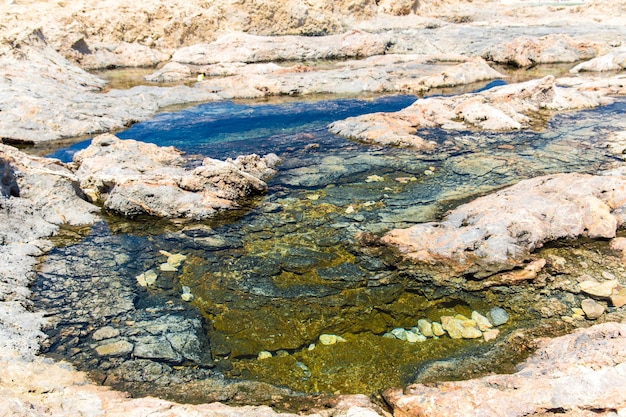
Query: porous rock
580, 371
504, 108
500, 230
525, 51
134, 178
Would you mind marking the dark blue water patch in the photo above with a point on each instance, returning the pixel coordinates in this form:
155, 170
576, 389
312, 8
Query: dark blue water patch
491, 84
195, 129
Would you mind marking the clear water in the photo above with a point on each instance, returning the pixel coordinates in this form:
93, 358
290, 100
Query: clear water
292, 266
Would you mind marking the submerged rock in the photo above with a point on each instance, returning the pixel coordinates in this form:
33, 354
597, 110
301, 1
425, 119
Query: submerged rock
500, 230
134, 178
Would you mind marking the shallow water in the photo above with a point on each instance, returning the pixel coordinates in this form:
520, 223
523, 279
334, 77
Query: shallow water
276, 275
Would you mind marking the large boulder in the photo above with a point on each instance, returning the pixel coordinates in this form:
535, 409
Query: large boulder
500, 230
133, 178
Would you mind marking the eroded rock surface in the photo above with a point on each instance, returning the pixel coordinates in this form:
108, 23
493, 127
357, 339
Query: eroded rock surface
134, 178
550, 49
500, 230
508, 107
612, 61
578, 374
36, 196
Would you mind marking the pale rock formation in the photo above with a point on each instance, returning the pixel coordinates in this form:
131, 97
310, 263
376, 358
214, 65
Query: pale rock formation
44, 97
526, 51
500, 230
172, 71
377, 74
243, 47
578, 374
508, 107
102, 55
134, 178
613, 61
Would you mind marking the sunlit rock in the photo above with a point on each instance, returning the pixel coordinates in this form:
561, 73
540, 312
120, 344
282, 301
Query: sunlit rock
134, 178
118, 348
425, 327
331, 339
498, 316
613, 61
602, 289
549, 49
482, 322
592, 308
147, 279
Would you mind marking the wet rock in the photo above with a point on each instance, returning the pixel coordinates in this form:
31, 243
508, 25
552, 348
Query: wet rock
482, 322
499, 230
602, 289
134, 178
345, 272
526, 51
613, 61
508, 107
592, 309
498, 316
153, 347
106, 332
331, 339
118, 348
569, 373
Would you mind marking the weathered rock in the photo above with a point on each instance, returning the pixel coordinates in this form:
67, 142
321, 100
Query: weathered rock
44, 97
243, 47
592, 309
581, 371
508, 107
106, 332
613, 61
501, 229
135, 178
172, 71
498, 316
550, 49
117, 348
602, 289
124, 54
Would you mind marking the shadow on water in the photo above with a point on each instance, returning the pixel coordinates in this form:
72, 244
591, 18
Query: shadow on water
268, 280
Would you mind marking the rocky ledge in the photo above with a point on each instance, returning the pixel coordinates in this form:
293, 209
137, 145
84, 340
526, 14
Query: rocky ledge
133, 178
504, 108
499, 231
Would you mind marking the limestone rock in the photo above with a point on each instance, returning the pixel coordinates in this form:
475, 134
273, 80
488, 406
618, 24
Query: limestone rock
501, 229
134, 178
550, 49
243, 47
124, 54
581, 371
503, 108
602, 289
118, 348
498, 316
482, 322
613, 61
106, 332
425, 327
172, 71
592, 309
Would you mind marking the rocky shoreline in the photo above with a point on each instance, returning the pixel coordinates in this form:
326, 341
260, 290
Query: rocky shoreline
382, 47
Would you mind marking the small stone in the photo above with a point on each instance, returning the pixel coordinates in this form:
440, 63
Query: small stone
106, 332
399, 333
567, 319
482, 322
414, 337
599, 289
331, 339
578, 311
176, 260
350, 209
122, 258
186, 295
438, 329
313, 197
618, 298
426, 327
119, 348
491, 334
311, 346
374, 178
264, 354
389, 335
147, 278
429, 172
453, 326
592, 309
498, 316
166, 267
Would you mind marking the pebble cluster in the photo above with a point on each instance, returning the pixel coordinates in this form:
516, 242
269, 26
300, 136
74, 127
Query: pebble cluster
456, 327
